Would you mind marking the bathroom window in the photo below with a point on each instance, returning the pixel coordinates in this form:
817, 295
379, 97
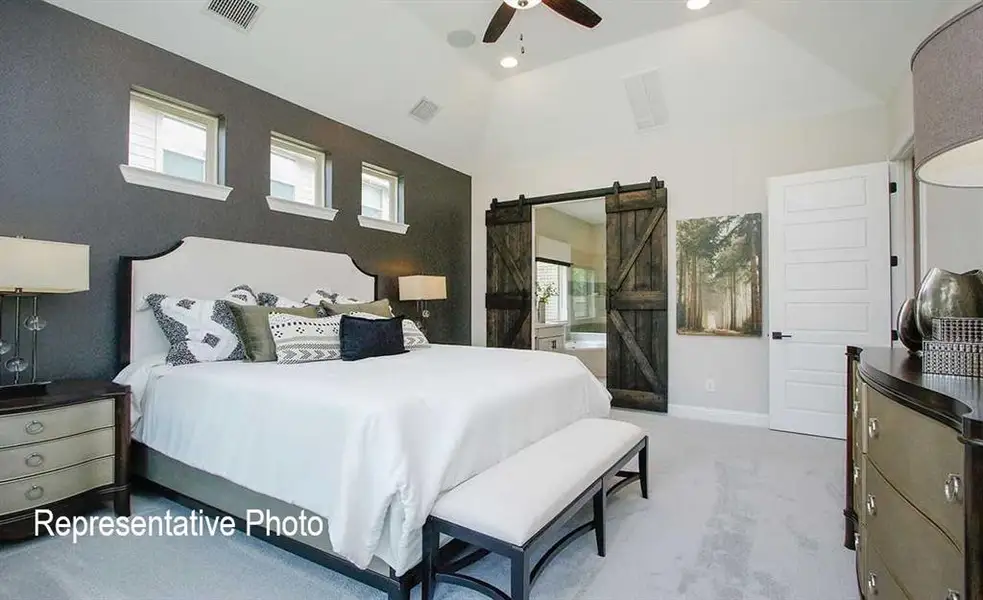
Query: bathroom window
583, 293
558, 276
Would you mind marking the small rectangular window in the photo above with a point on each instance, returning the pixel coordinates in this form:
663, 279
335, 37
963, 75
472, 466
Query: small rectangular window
297, 172
168, 138
381, 194
553, 278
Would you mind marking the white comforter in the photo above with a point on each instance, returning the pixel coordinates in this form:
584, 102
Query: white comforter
369, 444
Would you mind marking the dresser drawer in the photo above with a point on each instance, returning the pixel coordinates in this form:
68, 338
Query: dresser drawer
30, 492
26, 428
924, 560
921, 458
33, 459
857, 477
878, 583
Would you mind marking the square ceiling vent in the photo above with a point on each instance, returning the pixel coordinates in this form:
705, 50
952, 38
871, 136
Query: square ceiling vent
425, 110
648, 103
241, 14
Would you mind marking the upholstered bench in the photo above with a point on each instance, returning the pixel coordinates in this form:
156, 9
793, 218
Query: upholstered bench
510, 508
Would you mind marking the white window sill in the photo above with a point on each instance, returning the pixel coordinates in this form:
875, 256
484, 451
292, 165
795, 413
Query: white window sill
153, 179
304, 210
382, 224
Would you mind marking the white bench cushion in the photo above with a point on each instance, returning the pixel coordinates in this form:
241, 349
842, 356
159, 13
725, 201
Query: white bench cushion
517, 497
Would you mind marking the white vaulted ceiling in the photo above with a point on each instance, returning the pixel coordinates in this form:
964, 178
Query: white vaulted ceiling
367, 62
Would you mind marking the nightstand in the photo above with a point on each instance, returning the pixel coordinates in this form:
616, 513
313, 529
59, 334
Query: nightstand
64, 447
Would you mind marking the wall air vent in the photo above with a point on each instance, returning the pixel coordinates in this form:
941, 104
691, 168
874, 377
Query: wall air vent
424, 111
241, 13
648, 104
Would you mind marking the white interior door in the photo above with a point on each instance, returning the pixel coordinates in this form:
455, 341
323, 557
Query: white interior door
829, 267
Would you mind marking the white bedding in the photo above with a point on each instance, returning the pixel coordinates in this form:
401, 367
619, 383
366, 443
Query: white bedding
369, 444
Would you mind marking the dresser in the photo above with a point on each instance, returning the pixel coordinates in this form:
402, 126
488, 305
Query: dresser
64, 448
914, 489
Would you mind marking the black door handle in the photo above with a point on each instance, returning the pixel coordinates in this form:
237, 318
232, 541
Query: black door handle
777, 335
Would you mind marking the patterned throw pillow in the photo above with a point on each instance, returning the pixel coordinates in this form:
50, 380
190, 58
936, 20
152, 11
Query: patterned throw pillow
200, 330
317, 296
273, 300
302, 339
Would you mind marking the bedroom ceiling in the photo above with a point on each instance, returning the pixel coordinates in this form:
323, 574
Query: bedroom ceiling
589, 211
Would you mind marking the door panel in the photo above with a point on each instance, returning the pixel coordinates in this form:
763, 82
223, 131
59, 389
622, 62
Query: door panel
830, 287
637, 348
508, 298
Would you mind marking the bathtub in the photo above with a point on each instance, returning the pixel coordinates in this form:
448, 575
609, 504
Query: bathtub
591, 349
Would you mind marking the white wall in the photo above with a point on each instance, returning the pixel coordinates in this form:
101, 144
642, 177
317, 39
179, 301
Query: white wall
713, 170
951, 228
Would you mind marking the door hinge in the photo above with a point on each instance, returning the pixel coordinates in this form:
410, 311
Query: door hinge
893, 187
894, 261
894, 335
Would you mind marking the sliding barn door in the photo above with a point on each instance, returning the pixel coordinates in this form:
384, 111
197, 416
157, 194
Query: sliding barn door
637, 326
509, 299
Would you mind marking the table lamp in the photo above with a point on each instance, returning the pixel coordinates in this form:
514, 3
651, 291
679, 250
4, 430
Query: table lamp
423, 288
28, 269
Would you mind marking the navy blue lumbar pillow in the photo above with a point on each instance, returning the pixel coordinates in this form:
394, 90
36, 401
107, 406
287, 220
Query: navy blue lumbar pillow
365, 338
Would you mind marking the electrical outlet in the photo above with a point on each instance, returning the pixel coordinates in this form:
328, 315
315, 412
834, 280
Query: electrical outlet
711, 385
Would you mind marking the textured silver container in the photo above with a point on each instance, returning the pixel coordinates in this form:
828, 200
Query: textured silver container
946, 294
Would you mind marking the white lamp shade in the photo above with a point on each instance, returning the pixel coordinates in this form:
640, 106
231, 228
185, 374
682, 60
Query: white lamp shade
38, 267
423, 287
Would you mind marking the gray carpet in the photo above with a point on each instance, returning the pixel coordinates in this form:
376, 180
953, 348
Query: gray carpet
735, 514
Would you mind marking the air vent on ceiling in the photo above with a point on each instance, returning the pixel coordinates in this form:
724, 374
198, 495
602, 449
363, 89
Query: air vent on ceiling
241, 13
424, 111
647, 101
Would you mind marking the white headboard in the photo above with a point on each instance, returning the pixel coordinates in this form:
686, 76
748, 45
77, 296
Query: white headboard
208, 268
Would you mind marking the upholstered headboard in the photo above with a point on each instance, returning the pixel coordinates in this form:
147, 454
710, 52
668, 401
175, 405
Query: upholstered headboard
208, 268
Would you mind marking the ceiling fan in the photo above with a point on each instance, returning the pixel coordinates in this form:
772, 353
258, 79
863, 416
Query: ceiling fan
576, 11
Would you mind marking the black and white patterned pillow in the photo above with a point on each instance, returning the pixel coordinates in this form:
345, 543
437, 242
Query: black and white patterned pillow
317, 296
413, 337
200, 330
276, 301
302, 339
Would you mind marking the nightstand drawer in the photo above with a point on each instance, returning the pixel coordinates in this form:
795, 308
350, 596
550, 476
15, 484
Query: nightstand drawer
27, 428
34, 459
924, 560
30, 492
921, 458
878, 582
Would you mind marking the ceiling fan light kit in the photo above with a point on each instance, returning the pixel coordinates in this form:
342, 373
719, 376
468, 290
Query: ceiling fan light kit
522, 4
574, 10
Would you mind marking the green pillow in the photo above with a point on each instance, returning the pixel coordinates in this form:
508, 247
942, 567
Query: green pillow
379, 307
253, 327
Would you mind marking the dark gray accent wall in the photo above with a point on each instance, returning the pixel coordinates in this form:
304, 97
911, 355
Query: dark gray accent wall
64, 109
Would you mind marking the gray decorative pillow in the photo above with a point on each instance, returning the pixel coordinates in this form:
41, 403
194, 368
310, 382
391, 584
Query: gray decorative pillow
273, 300
302, 339
317, 296
200, 330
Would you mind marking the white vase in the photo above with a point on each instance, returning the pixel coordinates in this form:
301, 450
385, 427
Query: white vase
541, 312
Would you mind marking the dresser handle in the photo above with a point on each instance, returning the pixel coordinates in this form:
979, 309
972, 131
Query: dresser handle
856, 408
34, 493
953, 489
871, 505
953, 595
856, 541
34, 427
856, 474
872, 583
873, 428
34, 460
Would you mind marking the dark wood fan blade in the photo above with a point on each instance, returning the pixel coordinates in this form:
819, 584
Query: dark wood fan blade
576, 11
503, 16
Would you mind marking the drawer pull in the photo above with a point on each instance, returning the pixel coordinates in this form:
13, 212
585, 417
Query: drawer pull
871, 506
873, 428
34, 460
953, 595
856, 541
856, 408
34, 427
856, 474
872, 583
953, 489
35, 493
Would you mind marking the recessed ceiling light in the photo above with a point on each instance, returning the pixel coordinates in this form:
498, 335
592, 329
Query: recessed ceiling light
509, 62
522, 4
697, 4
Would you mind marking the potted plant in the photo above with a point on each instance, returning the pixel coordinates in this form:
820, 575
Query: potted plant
543, 295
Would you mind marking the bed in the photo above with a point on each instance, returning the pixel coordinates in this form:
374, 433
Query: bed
368, 445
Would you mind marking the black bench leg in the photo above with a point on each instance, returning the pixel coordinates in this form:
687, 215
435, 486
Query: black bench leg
600, 503
431, 544
520, 576
643, 468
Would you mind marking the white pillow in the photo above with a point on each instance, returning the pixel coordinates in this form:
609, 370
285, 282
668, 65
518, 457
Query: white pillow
315, 298
273, 300
302, 339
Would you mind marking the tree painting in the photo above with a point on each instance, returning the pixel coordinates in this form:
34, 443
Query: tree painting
718, 276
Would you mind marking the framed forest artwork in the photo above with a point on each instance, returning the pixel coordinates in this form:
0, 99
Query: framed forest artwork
718, 276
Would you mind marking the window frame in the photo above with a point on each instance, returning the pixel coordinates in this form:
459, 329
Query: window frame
185, 114
394, 222
591, 297
287, 146
563, 297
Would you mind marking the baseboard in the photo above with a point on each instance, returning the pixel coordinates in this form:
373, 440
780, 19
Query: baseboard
718, 415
